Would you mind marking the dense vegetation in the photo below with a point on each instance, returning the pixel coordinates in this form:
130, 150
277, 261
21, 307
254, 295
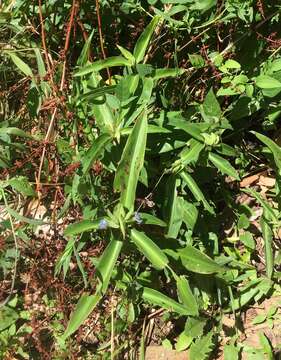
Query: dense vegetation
140, 176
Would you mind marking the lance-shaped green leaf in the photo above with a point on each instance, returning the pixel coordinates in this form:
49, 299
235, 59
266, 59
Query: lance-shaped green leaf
223, 165
272, 146
84, 307
196, 261
103, 64
22, 185
163, 73
150, 250
144, 39
194, 188
81, 226
157, 298
83, 57
107, 262
152, 220
191, 153
94, 151
173, 206
192, 129
268, 250
21, 65
14, 131
131, 163
186, 296
126, 53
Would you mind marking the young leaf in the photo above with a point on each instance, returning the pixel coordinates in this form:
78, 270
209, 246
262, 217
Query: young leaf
268, 250
191, 153
84, 307
107, 262
223, 165
183, 342
186, 296
144, 39
157, 298
103, 64
194, 260
150, 250
174, 209
131, 163
83, 57
81, 226
94, 151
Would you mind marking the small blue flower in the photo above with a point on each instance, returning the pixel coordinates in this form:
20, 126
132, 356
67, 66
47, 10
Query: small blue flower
138, 218
103, 224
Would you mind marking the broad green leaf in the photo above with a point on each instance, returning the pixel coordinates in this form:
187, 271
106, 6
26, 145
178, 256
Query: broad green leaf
8, 316
150, 250
94, 151
192, 129
186, 296
232, 64
183, 342
202, 347
211, 107
152, 220
223, 165
144, 39
84, 307
196, 261
107, 262
272, 146
231, 352
103, 64
21, 65
157, 298
22, 185
131, 163
194, 188
244, 298
196, 60
268, 249
267, 82
81, 226
163, 73
194, 326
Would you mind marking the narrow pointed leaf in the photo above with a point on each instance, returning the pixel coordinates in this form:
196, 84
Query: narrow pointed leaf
107, 262
81, 226
103, 64
21, 65
196, 261
157, 298
84, 307
131, 163
186, 296
268, 249
149, 249
194, 188
144, 39
223, 165
94, 151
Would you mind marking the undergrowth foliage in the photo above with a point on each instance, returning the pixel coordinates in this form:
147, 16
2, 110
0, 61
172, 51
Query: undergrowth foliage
141, 165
